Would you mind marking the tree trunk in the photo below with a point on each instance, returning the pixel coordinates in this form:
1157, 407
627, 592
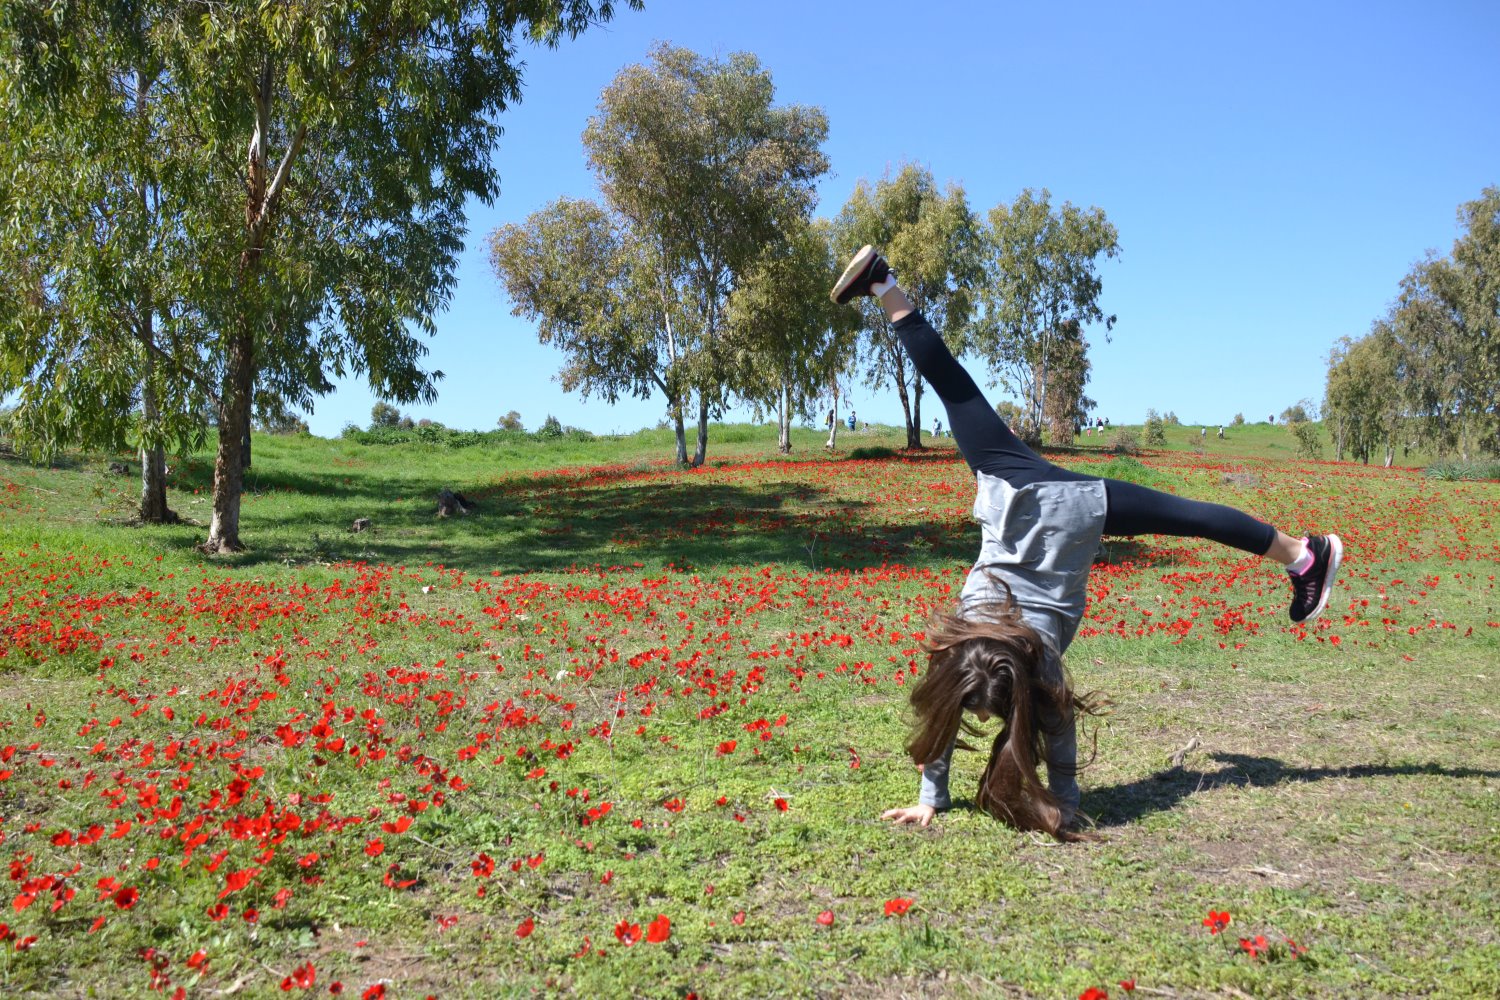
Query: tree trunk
832, 443
701, 452
912, 430
784, 440
245, 432
680, 431
153, 509
229, 463
1041, 394
916, 411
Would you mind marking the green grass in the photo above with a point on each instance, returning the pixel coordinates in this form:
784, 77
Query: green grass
1341, 793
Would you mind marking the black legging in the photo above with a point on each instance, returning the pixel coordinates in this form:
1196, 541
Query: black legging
990, 447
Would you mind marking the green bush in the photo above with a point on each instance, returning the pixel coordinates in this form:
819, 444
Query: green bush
1309, 440
383, 414
1125, 441
1156, 430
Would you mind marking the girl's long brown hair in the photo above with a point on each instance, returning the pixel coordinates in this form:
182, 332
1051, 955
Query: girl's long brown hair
991, 660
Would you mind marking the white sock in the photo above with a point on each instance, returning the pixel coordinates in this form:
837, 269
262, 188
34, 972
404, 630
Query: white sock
879, 288
1302, 562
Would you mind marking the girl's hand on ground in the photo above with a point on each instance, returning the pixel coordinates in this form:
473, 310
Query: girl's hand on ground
920, 815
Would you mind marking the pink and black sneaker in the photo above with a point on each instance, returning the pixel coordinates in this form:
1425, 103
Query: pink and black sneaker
1312, 587
866, 269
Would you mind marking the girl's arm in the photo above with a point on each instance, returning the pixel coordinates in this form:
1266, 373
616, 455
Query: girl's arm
933, 794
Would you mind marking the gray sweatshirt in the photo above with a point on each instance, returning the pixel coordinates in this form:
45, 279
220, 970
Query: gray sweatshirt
1040, 541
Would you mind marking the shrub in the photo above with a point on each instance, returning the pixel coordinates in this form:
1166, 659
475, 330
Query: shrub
551, 428
1238, 421
510, 422
383, 414
1170, 419
1299, 412
1309, 441
1125, 441
1156, 430
869, 452
283, 423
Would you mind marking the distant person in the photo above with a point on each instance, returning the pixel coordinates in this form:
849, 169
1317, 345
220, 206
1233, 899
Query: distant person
1203, 434
937, 427
998, 654
1221, 432
851, 420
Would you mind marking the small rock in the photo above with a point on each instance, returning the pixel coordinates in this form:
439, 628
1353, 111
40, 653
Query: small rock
360, 524
119, 468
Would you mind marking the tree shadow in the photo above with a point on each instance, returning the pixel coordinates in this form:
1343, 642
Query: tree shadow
548, 523
1120, 805
600, 517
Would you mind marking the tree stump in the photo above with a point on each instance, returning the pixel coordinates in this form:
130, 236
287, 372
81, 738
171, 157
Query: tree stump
360, 524
450, 503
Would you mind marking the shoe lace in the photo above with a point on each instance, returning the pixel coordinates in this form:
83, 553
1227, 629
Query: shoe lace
1306, 585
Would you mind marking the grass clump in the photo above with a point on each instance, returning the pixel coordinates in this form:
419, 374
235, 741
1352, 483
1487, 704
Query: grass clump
1479, 470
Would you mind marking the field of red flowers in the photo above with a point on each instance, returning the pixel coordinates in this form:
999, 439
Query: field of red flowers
632, 733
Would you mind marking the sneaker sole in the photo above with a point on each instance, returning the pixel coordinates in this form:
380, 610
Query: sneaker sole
1335, 560
851, 275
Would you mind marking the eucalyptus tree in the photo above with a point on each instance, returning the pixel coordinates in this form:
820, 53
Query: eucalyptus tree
1470, 285
603, 298
709, 174
97, 347
1437, 362
789, 341
1446, 324
1042, 286
1068, 373
1362, 399
321, 194
931, 239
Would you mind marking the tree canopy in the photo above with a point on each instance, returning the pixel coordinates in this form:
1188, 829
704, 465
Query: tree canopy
1041, 290
702, 175
931, 240
1431, 366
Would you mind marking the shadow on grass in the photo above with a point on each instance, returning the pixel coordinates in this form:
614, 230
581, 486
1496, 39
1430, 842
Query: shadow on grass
1131, 802
587, 517
550, 523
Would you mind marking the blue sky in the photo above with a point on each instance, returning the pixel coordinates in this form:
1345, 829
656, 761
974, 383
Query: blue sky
1273, 171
